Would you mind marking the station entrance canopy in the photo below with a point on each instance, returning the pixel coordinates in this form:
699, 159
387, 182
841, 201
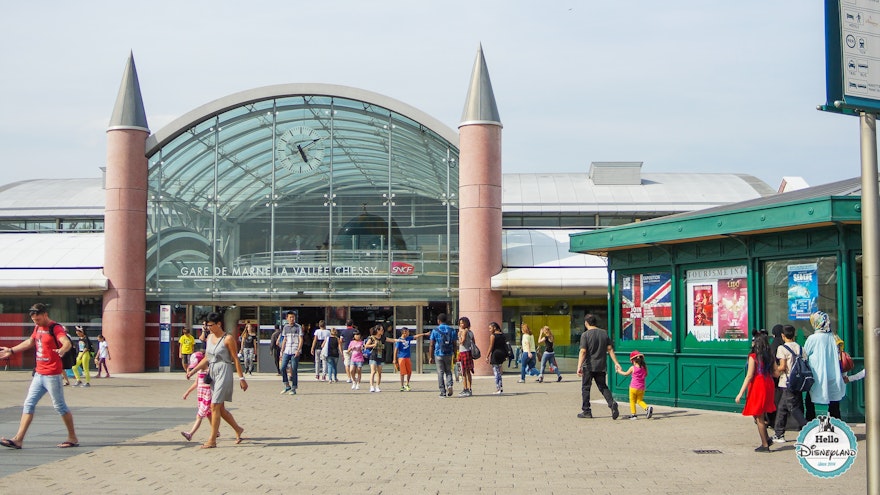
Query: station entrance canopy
307, 191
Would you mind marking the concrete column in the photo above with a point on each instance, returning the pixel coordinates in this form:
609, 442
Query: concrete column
125, 247
480, 232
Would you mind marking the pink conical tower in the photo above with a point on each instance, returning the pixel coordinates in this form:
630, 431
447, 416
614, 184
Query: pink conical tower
125, 227
479, 189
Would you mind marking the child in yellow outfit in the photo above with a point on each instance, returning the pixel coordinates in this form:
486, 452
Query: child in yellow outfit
638, 371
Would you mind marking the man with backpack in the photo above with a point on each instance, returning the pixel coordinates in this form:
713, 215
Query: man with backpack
792, 381
51, 342
443, 339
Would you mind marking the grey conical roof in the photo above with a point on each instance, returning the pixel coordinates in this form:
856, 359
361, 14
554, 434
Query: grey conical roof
128, 113
480, 107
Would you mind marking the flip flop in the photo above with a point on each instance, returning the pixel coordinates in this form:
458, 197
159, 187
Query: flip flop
9, 443
208, 446
186, 435
67, 445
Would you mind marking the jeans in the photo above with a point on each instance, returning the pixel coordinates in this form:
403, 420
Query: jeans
549, 357
789, 403
496, 370
41, 384
527, 362
331, 367
444, 372
586, 384
294, 367
248, 359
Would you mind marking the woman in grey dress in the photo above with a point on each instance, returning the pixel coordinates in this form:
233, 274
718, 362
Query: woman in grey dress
220, 355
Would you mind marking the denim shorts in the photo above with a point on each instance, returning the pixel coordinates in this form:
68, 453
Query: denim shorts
357, 364
39, 386
373, 362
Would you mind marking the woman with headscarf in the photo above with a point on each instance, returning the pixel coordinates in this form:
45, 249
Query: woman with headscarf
822, 355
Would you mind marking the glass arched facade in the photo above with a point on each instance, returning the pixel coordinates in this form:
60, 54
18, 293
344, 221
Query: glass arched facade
306, 197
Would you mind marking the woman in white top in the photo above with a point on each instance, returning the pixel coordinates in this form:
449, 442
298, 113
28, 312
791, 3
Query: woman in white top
527, 359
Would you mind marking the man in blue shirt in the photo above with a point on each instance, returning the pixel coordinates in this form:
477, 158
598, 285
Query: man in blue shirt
443, 340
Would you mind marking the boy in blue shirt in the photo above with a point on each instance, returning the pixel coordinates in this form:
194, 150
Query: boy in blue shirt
402, 352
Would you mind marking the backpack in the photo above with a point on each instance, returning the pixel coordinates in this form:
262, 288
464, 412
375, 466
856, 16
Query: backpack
800, 376
69, 357
446, 342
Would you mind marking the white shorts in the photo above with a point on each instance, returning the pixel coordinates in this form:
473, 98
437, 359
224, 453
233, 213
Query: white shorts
346, 358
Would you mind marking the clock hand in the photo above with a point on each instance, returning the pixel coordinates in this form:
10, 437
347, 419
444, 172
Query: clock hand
310, 143
302, 153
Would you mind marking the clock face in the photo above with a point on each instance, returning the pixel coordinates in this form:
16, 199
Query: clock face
300, 149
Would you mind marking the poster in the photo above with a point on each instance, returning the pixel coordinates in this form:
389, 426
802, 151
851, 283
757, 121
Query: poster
717, 303
803, 290
646, 306
733, 313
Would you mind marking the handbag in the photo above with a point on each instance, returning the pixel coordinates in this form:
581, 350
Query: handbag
208, 379
325, 348
846, 362
475, 351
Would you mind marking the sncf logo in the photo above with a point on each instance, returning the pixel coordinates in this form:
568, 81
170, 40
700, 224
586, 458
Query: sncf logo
401, 268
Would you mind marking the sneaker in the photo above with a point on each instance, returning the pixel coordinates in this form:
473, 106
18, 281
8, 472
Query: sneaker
777, 439
559, 378
463, 393
407, 387
372, 389
633, 416
78, 384
442, 395
585, 415
403, 389
498, 392
540, 379
291, 391
378, 389
448, 391
651, 412
286, 389
352, 386
357, 386
348, 381
87, 385
615, 411
520, 381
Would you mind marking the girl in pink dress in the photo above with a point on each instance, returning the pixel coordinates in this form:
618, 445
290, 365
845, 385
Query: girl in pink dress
204, 396
760, 383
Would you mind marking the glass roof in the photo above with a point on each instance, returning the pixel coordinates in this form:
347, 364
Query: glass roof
266, 140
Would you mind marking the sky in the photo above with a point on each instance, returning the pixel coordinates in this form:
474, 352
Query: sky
681, 85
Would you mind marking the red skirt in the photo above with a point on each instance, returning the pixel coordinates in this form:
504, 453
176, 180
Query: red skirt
466, 362
760, 397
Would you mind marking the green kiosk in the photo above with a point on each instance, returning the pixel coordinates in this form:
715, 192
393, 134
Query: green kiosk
687, 290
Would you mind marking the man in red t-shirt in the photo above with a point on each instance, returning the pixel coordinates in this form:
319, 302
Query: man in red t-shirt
46, 338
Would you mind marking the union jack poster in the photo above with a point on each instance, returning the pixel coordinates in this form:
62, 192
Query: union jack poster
646, 306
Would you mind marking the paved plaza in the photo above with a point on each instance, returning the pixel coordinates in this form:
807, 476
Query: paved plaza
329, 439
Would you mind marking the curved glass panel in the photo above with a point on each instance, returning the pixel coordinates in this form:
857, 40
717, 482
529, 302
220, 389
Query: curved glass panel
307, 198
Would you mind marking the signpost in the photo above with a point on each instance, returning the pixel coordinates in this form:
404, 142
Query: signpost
852, 87
165, 337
